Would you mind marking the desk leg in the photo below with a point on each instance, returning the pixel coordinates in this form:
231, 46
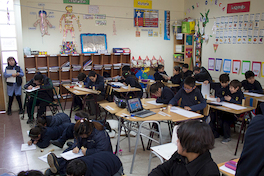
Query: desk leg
66, 100
128, 131
26, 97
33, 105
118, 136
71, 104
135, 151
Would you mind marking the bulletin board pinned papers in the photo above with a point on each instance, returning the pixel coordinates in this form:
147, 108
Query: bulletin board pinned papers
256, 67
218, 64
227, 66
262, 70
236, 66
211, 63
245, 66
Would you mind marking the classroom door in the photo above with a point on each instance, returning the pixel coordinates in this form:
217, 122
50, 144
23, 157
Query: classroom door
2, 99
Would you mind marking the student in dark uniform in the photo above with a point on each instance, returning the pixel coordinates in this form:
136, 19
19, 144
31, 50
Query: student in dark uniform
45, 92
193, 157
30, 173
126, 68
163, 93
202, 75
185, 71
192, 99
102, 163
177, 77
77, 102
250, 84
158, 74
133, 82
56, 120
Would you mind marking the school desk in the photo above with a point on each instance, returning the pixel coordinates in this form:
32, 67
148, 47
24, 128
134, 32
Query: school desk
224, 172
260, 99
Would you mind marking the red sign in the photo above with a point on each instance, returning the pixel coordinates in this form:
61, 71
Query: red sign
238, 7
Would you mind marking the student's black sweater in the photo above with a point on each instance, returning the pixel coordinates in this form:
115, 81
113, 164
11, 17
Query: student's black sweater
203, 75
166, 95
221, 92
186, 74
237, 97
176, 79
130, 80
159, 77
98, 84
255, 87
194, 99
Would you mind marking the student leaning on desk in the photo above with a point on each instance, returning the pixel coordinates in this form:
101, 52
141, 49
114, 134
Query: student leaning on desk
202, 75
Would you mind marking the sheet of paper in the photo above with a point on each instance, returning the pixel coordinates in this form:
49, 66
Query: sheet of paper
44, 157
226, 169
154, 102
256, 68
236, 66
11, 79
218, 64
205, 90
230, 105
109, 108
253, 94
117, 84
211, 62
32, 90
185, 113
245, 66
227, 65
211, 99
26, 147
70, 155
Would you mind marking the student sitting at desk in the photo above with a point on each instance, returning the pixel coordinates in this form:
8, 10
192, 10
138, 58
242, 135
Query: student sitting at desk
97, 81
176, 79
202, 75
185, 71
193, 157
45, 92
160, 74
191, 97
133, 82
250, 84
126, 68
163, 93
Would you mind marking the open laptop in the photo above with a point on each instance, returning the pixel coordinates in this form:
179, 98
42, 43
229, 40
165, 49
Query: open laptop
135, 108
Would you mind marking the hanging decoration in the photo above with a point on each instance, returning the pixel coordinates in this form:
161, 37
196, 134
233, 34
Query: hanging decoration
43, 23
114, 27
134, 62
140, 62
147, 62
154, 62
160, 61
200, 32
215, 47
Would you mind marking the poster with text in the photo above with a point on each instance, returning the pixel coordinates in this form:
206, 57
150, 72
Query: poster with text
146, 18
218, 64
239, 36
255, 37
245, 66
234, 36
227, 65
236, 66
256, 67
244, 38
211, 64
166, 25
249, 36
261, 35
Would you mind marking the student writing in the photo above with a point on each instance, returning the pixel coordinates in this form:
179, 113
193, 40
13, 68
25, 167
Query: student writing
133, 82
202, 75
251, 84
163, 93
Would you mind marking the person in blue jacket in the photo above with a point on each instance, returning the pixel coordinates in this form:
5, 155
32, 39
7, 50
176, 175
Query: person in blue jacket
160, 74
14, 88
41, 135
251, 84
97, 81
251, 161
55, 120
163, 93
192, 99
90, 137
133, 82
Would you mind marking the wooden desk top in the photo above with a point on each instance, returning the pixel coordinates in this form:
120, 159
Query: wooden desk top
111, 107
148, 106
75, 91
122, 90
170, 85
226, 173
260, 99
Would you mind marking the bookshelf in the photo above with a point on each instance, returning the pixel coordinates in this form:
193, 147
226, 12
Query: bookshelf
183, 49
51, 66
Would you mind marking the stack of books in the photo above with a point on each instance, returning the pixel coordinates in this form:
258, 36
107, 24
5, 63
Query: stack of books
66, 66
66, 81
75, 80
117, 66
98, 67
107, 66
42, 69
56, 83
76, 67
87, 65
125, 64
31, 70
54, 69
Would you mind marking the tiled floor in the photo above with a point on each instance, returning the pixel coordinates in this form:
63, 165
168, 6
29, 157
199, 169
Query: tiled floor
13, 133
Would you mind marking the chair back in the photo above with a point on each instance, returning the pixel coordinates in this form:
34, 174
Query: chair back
56, 90
206, 110
179, 102
252, 102
174, 134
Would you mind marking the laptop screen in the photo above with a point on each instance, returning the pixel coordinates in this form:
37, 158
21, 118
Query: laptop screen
134, 105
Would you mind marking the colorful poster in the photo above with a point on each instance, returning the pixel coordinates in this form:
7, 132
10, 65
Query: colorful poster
150, 33
227, 65
230, 22
145, 4
188, 52
256, 68
166, 25
236, 66
211, 64
76, 2
245, 66
221, 37
234, 36
237, 7
255, 37
249, 36
217, 34
235, 22
244, 38
262, 69
218, 64
146, 18
251, 17
239, 36
225, 37
261, 35
229, 37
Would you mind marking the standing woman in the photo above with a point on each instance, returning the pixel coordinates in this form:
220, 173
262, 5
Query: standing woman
14, 88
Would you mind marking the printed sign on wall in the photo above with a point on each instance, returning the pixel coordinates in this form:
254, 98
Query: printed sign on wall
238, 7
76, 1
167, 25
146, 4
146, 18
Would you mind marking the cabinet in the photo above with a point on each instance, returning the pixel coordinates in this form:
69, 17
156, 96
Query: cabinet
183, 49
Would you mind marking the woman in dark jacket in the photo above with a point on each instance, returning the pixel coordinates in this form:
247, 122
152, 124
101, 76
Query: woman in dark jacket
14, 88
195, 139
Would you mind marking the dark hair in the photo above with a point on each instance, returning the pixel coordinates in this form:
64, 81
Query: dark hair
35, 131
81, 76
185, 66
159, 67
38, 77
81, 115
76, 168
177, 68
196, 69
249, 74
126, 68
30, 173
195, 136
42, 120
155, 87
126, 74
92, 73
236, 84
190, 81
224, 78
9, 58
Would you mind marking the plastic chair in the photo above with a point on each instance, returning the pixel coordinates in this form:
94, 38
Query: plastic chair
165, 151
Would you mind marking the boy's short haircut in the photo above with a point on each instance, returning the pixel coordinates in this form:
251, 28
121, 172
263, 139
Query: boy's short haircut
38, 77
235, 83
196, 69
126, 68
195, 136
30, 173
177, 68
190, 81
41, 120
91, 74
249, 74
185, 66
81, 76
159, 67
224, 78
76, 168
155, 87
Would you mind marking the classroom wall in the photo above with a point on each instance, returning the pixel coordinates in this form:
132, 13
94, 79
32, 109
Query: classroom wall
252, 52
122, 10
